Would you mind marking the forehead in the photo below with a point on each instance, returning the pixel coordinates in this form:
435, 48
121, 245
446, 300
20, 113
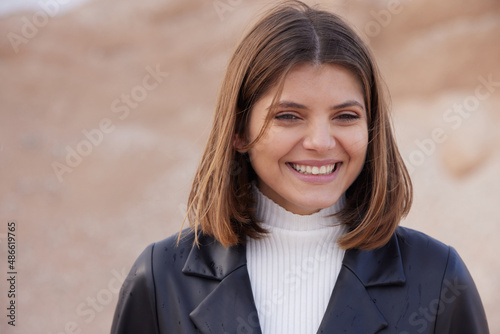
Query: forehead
315, 85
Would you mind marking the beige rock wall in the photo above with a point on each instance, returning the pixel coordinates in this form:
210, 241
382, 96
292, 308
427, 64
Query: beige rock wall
79, 232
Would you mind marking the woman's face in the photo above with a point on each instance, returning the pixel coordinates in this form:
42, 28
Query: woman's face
316, 143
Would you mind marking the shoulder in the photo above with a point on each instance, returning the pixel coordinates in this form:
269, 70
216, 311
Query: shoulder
417, 246
136, 311
408, 237
419, 250
174, 247
454, 300
428, 259
436, 273
170, 253
165, 252
161, 257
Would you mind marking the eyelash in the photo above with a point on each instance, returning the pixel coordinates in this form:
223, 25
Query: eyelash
286, 117
292, 117
348, 117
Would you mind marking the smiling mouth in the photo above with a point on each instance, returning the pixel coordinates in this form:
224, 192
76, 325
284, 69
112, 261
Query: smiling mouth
315, 170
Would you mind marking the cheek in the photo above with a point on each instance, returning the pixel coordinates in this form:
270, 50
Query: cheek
273, 144
356, 143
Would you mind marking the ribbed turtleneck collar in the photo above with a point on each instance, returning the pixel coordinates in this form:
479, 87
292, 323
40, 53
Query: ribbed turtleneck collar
273, 215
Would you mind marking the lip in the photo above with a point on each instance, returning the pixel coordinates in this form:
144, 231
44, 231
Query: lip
316, 179
317, 163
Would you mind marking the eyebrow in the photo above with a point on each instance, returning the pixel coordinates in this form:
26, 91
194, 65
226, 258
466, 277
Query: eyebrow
294, 105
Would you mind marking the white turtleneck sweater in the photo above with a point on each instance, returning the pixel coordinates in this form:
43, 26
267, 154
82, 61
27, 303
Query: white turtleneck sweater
293, 269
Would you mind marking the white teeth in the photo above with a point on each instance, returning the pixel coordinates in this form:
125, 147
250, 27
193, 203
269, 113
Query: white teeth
314, 170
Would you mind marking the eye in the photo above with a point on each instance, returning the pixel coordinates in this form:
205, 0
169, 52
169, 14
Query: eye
348, 117
286, 117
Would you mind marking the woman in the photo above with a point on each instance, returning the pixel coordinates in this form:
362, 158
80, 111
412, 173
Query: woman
296, 204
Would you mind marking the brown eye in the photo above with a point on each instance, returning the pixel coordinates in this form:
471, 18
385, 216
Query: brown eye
286, 117
348, 117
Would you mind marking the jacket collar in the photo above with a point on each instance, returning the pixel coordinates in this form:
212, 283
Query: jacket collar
212, 260
230, 307
382, 266
351, 308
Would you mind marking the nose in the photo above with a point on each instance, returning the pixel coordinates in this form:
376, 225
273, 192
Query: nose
319, 137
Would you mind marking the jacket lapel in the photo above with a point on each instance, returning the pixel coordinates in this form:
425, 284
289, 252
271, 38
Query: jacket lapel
230, 307
351, 309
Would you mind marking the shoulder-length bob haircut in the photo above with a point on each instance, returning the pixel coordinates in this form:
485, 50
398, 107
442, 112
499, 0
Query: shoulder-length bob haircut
221, 202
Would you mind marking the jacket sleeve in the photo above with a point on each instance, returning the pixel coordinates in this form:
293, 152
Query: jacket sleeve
136, 308
460, 310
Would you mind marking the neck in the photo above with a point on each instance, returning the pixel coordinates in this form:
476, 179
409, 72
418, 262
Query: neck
273, 215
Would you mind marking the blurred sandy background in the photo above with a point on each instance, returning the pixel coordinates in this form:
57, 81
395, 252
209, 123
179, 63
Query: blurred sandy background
86, 73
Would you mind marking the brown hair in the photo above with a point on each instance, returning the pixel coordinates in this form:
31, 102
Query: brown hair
221, 201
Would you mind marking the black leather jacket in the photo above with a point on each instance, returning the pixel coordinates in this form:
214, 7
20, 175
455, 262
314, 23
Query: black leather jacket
414, 284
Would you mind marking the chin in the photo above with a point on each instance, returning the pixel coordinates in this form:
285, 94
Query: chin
315, 206
321, 201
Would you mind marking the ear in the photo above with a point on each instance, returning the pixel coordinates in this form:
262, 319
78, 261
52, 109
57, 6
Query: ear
238, 143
